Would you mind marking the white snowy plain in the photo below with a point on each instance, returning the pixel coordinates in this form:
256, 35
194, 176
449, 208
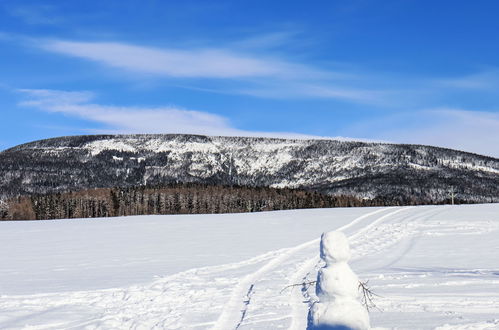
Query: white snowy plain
433, 267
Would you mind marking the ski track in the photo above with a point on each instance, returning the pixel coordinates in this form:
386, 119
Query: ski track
252, 293
166, 299
278, 278
172, 302
301, 276
233, 309
301, 301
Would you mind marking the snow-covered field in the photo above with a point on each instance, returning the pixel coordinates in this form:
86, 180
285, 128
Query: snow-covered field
432, 267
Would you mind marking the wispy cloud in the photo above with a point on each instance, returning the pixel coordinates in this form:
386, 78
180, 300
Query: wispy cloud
326, 90
472, 131
485, 80
125, 119
256, 75
252, 70
178, 63
267, 41
137, 119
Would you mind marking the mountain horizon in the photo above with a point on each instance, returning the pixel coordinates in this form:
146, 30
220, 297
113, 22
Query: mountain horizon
401, 173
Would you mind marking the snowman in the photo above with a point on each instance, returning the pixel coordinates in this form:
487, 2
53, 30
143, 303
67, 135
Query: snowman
337, 288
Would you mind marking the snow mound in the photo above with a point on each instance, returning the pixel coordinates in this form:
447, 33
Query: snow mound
337, 288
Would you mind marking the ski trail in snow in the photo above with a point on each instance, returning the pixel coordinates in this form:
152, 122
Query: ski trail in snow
298, 310
376, 222
386, 248
231, 314
301, 263
359, 239
234, 310
381, 235
408, 244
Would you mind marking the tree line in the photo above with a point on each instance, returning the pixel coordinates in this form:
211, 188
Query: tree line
171, 199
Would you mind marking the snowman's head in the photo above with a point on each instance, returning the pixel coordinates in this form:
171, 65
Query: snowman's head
334, 247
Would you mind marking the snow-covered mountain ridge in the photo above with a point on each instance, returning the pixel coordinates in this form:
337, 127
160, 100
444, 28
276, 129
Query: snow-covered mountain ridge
367, 170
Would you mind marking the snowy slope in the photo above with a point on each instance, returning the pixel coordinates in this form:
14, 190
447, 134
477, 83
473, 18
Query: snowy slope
433, 267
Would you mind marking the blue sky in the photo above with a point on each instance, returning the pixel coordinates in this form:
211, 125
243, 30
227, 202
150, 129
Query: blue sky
406, 71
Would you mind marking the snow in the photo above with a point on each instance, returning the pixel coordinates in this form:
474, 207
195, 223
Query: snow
453, 163
96, 147
134, 144
421, 167
433, 267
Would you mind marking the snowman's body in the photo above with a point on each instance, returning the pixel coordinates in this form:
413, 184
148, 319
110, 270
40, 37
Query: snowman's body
337, 288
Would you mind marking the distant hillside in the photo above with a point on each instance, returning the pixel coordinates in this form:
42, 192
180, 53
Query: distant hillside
399, 173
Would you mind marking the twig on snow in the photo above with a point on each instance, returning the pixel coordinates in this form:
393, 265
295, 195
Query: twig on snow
368, 296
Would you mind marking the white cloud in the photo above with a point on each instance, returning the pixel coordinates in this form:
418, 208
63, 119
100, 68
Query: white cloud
485, 80
259, 76
136, 119
194, 63
292, 90
472, 131
269, 40
126, 119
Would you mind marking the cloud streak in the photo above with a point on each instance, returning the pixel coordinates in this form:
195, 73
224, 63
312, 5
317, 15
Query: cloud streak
472, 131
247, 68
254, 75
137, 119
177, 63
309, 90
485, 80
